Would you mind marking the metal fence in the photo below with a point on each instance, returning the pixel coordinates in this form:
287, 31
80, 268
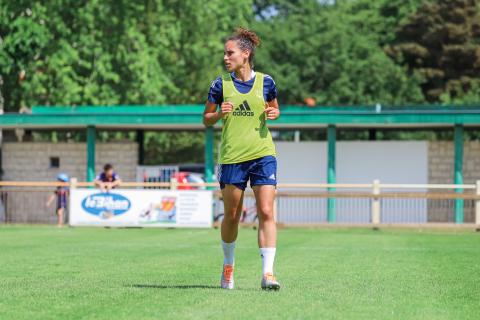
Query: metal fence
298, 209
26, 203
156, 174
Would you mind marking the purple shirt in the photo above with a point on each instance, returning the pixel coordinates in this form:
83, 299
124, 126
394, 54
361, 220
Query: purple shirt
215, 94
61, 193
103, 177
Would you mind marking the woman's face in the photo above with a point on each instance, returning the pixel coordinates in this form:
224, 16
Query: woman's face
234, 57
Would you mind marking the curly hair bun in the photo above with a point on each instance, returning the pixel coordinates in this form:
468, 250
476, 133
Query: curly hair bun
249, 35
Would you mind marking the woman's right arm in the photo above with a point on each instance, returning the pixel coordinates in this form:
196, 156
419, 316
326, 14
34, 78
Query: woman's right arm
215, 96
211, 115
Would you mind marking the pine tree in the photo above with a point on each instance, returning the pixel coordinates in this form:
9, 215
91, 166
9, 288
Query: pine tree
441, 41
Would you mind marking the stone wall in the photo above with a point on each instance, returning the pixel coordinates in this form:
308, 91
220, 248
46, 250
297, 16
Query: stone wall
30, 161
441, 170
22, 161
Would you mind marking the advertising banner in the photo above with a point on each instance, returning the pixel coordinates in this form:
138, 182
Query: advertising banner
141, 208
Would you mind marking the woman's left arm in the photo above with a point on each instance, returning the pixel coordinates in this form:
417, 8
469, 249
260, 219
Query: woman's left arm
272, 110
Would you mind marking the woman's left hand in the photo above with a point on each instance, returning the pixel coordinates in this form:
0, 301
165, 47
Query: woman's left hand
272, 113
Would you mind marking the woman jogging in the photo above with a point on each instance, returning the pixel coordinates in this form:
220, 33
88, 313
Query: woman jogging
247, 99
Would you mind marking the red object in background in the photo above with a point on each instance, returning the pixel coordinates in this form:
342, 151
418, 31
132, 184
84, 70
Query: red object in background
310, 102
188, 177
21, 75
182, 178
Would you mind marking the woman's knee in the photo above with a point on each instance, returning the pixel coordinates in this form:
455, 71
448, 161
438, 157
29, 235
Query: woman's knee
231, 216
265, 212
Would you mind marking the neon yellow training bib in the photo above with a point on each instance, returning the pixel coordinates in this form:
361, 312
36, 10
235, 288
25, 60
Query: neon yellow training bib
245, 135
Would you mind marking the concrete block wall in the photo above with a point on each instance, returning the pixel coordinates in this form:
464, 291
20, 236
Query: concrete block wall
30, 161
441, 170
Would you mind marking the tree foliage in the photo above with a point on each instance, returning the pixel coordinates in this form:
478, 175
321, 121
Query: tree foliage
66, 52
441, 41
95, 52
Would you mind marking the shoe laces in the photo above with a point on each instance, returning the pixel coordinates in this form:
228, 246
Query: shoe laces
227, 272
269, 277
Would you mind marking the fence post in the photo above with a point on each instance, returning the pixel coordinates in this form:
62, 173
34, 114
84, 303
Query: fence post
173, 183
376, 203
477, 207
73, 183
209, 162
91, 138
275, 210
72, 186
458, 177
331, 171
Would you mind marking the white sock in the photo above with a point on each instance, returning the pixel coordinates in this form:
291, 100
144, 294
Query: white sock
268, 256
228, 253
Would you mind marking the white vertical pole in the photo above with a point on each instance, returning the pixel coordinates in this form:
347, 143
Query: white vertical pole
296, 137
73, 183
477, 206
73, 186
173, 183
376, 203
275, 210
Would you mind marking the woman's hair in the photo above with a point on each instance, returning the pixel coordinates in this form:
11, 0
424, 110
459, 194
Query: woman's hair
246, 40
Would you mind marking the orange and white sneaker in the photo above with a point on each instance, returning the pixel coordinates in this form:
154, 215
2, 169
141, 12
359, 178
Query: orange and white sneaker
227, 277
269, 282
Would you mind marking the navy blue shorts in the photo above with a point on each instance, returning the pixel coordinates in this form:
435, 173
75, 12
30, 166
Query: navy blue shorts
261, 171
61, 201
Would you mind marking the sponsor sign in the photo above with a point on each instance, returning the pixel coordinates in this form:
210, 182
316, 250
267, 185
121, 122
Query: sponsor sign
149, 208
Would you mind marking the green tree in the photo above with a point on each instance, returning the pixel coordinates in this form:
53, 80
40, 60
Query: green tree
102, 53
316, 51
377, 19
441, 41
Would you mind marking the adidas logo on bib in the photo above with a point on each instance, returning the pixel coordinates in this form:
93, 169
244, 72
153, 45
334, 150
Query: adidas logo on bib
243, 110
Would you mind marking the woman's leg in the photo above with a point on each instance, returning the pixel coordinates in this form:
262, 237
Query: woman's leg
267, 231
233, 203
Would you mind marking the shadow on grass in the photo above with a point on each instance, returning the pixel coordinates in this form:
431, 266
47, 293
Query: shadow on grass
181, 286
185, 286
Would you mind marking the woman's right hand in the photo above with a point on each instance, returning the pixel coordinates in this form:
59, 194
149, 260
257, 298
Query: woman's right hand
226, 108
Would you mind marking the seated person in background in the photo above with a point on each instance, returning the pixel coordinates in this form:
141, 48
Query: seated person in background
108, 179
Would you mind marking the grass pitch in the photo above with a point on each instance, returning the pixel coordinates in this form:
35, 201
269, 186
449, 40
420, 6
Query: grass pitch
87, 273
